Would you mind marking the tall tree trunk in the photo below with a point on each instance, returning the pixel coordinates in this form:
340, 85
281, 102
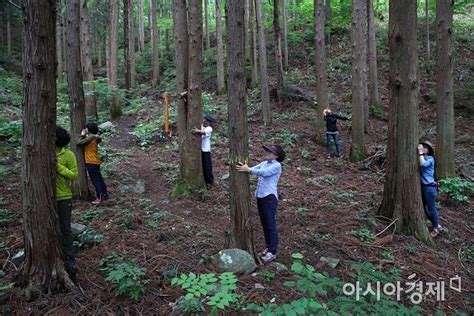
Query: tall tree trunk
359, 79
327, 11
278, 57
141, 26
402, 191
253, 45
285, 36
220, 50
188, 49
262, 54
126, 44
107, 53
155, 78
427, 25
445, 166
59, 51
115, 108
321, 70
99, 46
131, 43
373, 82
9, 34
43, 268
86, 62
241, 235
113, 54
77, 111
206, 24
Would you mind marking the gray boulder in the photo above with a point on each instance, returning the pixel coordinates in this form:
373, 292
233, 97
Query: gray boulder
279, 268
235, 260
138, 188
106, 125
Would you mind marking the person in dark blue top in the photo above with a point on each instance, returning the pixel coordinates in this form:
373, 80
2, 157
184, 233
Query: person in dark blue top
429, 189
331, 131
268, 173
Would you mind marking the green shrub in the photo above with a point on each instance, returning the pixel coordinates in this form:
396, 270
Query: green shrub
364, 235
310, 284
457, 188
10, 130
126, 277
5, 217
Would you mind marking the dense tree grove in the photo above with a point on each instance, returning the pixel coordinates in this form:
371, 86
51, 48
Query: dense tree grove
157, 153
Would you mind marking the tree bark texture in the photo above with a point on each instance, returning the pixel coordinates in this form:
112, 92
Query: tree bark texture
155, 78
445, 164
321, 70
77, 110
427, 26
241, 226
220, 50
86, 62
262, 54
43, 268
59, 50
373, 81
278, 57
129, 47
402, 191
113, 53
188, 48
206, 24
327, 11
9, 33
285, 34
141, 26
253, 45
359, 79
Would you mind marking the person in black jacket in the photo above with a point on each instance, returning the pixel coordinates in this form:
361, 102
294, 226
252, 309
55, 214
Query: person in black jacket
331, 131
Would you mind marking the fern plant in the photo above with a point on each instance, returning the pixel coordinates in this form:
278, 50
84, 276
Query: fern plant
218, 292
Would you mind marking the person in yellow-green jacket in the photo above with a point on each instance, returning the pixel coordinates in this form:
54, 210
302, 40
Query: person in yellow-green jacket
66, 171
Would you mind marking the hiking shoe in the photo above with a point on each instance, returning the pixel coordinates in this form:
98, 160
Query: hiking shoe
328, 156
97, 202
269, 257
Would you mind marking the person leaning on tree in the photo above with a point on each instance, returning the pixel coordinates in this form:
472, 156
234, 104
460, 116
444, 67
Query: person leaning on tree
429, 187
66, 171
268, 173
331, 131
206, 132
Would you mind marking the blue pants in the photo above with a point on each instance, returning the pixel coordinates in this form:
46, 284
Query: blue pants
97, 180
267, 210
429, 204
335, 138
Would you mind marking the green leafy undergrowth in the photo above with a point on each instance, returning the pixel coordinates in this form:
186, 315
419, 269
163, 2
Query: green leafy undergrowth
126, 277
457, 188
216, 291
320, 294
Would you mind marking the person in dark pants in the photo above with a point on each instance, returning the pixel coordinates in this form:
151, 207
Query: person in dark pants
66, 170
331, 131
206, 133
90, 141
429, 188
268, 172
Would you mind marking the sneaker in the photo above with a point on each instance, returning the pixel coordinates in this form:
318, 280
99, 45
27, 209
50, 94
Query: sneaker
328, 156
269, 257
97, 202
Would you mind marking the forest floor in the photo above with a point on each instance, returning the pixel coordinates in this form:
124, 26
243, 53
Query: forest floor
326, 208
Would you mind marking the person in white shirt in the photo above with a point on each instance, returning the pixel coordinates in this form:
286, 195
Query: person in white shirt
206, 131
